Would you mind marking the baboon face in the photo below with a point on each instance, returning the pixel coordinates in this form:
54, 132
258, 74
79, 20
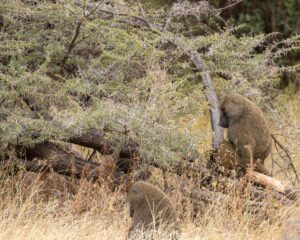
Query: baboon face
230, 110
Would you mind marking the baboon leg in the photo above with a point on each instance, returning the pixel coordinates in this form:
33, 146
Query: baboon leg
259, 167
243, 161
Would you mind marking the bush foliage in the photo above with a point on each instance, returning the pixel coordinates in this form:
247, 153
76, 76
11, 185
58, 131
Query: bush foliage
69, 66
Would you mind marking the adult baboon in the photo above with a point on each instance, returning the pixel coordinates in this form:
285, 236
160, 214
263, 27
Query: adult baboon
149, 207
248, 131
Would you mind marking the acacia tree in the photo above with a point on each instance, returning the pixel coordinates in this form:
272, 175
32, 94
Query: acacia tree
122, 80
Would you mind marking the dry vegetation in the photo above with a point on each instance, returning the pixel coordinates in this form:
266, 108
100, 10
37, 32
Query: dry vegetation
39, 206
38, 210
68, 68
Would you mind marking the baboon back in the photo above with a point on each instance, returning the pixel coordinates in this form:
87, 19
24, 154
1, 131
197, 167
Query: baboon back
149, 206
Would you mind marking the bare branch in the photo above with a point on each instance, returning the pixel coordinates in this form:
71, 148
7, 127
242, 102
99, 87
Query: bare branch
288, 156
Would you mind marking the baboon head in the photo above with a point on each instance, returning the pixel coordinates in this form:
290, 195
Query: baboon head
231, 109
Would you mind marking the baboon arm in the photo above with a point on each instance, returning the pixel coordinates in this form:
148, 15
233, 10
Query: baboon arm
245, 155
259, 167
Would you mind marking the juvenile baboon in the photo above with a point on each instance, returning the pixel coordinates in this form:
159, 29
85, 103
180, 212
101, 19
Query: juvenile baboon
149, 207
248, 131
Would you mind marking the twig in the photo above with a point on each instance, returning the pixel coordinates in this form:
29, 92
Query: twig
92, 155
229, 6
282, 170
95, 9
287, 153
76, 34
72, 44
273, 164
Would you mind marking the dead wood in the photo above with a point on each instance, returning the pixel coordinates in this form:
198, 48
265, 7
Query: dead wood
269, 182
55, 158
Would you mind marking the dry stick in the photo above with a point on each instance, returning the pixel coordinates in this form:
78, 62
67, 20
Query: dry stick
287, 153
282, 170
266, 181
230, 5
273, 164
92, 155
72, 44
290, 191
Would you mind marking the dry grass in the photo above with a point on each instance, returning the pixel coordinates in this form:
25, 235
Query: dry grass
34, 210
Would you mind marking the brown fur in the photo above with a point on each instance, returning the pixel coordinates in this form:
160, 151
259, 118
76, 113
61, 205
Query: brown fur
248, 131
149, 205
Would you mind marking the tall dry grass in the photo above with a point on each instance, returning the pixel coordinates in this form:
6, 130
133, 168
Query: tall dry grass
32, 208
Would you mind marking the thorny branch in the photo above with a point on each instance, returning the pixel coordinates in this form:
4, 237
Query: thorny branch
199, 64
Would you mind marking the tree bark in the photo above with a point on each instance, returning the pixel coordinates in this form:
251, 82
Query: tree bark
92, 138
55, 158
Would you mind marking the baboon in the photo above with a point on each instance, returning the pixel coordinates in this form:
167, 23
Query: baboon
248, 131
227, 157
149, 207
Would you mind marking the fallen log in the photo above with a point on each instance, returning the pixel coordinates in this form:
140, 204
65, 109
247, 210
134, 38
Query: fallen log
91, 138
95, 139
54, 158
269, 182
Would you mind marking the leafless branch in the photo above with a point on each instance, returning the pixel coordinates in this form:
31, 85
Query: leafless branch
77, 32
287, 154
230, 5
